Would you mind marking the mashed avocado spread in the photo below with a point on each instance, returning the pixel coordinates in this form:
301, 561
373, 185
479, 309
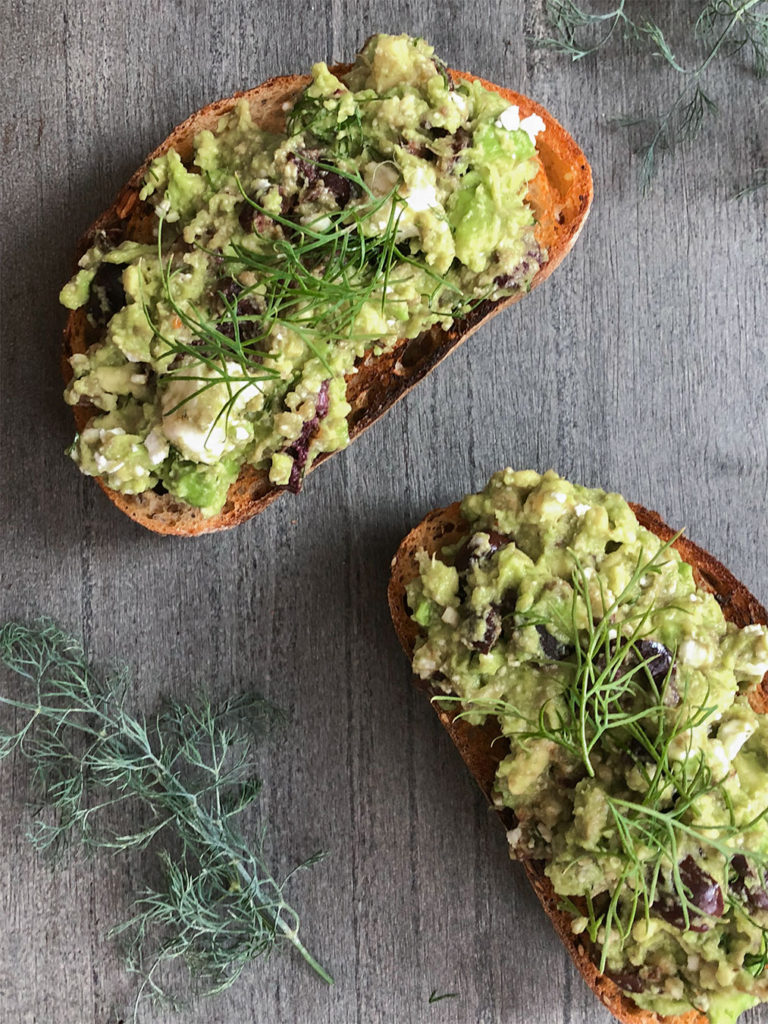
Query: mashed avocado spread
637, 770
395, 200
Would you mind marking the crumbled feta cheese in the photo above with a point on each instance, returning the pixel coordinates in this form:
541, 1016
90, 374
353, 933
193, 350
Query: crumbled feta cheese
734, 734
694, 654
450, 616
192, 407
718, 760
424, 664
580, 509
532, 126
514, 835
157, 446
421, 198
510, 119
459, 101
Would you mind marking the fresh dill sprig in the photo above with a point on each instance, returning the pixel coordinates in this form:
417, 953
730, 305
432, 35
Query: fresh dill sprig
609, 687
318, 280
724, 27
612, 704
754, 963
569, 21
313, 278
184, 776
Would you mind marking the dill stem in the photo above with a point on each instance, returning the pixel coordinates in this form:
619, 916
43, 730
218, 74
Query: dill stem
583, 719
733, 20
695, 74
205, 826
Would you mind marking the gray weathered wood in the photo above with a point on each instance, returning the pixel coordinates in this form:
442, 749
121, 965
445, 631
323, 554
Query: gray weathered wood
640, 366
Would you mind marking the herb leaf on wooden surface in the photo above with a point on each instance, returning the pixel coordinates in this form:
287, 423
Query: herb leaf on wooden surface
183, 776
723, 29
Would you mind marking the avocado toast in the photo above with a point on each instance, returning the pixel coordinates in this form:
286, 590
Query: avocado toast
624, 750
193, 412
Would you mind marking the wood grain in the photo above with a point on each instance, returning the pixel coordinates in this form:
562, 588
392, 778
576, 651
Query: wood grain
640, 366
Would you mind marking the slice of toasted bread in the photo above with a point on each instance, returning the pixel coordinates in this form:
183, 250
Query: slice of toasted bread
560, 196
482, 754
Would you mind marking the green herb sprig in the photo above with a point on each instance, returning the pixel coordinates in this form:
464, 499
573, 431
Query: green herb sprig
186, 775
724, 28
608, 688
312, 278
317, 280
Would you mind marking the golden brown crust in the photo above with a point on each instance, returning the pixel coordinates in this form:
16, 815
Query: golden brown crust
560, 196
482, 754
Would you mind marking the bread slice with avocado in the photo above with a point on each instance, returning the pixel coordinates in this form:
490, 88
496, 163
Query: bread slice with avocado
465, 569
117, 371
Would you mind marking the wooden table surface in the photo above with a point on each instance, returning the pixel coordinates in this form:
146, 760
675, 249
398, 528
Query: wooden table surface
639, 366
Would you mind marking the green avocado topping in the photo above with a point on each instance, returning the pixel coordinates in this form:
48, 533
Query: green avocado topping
394, 200
636, 767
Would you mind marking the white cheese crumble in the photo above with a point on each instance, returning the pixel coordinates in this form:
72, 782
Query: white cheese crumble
510, 119
192, 408
694, 654
580, 509
532, 125
514, 835
157, 446
459, 101
422, 198
734, 734
450, 616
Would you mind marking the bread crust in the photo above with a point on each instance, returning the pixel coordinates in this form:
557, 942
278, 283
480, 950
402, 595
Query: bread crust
482, 754
560, 196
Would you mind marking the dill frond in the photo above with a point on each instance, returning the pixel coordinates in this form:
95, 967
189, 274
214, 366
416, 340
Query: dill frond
725, 28
570, 24
189, 769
